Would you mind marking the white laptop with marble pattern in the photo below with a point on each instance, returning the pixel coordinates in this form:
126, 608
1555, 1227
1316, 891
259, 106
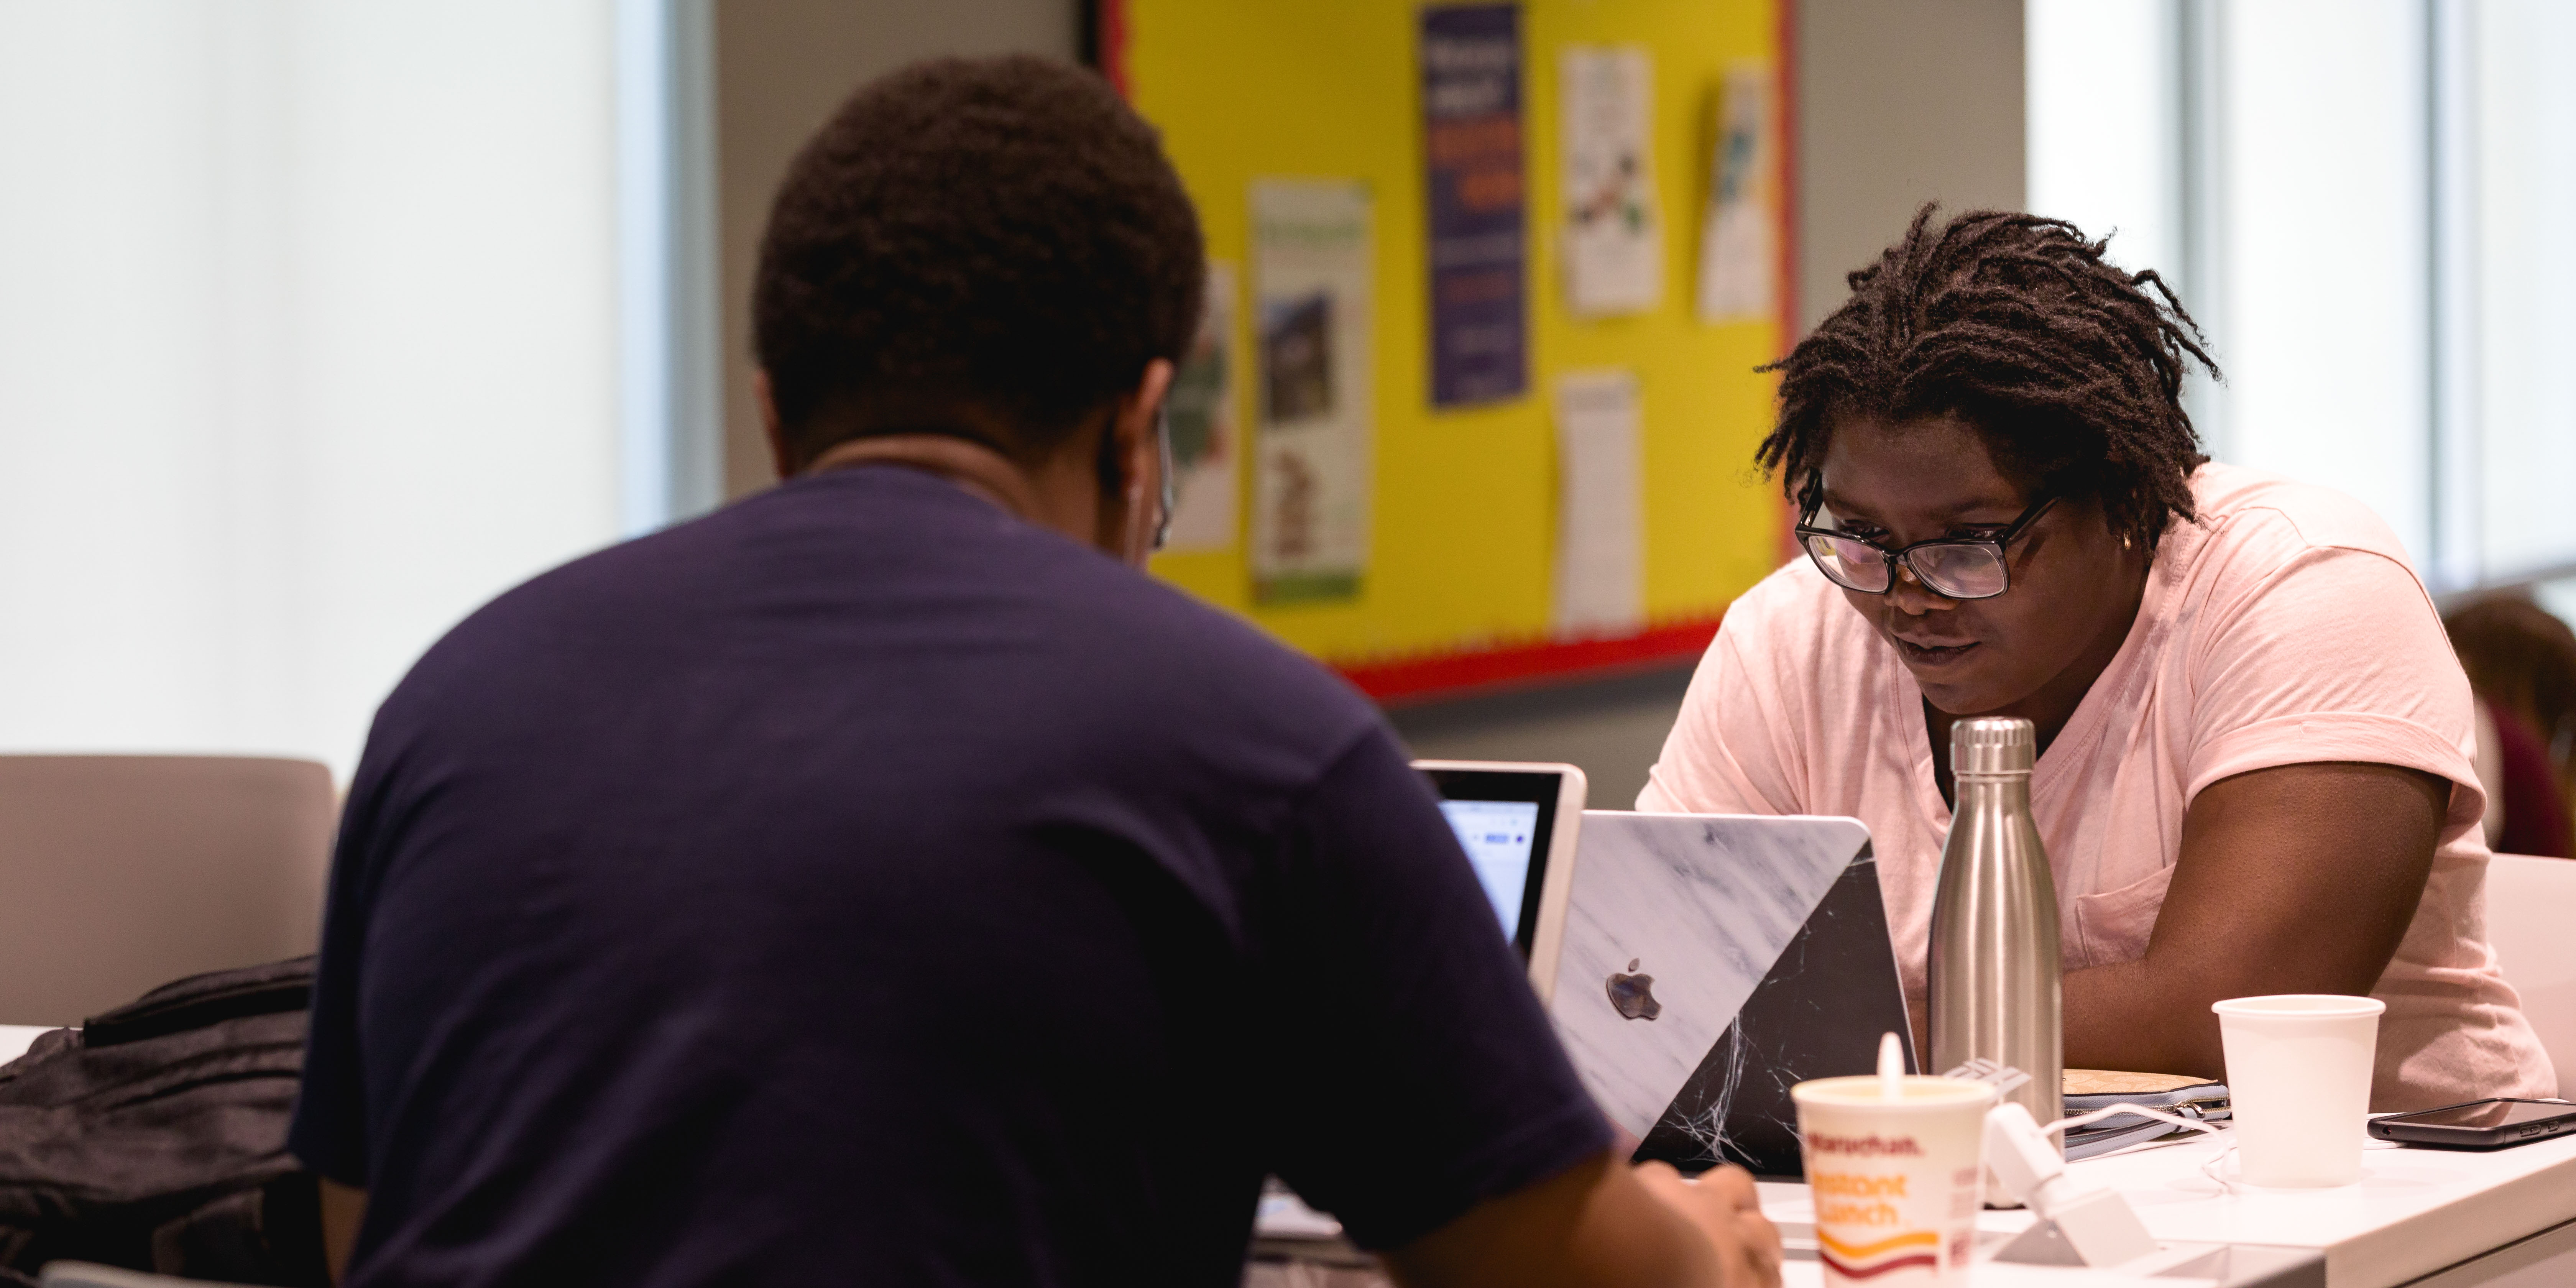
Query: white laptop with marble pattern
1709, 962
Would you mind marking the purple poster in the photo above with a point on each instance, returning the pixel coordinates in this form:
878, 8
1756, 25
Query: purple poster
1471, 127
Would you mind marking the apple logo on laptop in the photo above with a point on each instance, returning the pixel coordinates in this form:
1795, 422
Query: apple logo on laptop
1633, 996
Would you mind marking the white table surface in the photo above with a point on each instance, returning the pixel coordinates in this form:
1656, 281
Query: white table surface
16, 1038
2414, 1211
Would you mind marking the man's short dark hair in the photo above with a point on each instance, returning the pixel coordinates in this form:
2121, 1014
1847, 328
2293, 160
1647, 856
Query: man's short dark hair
972, 241
2069, 367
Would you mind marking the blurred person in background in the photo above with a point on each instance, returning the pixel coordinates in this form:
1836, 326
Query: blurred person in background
2521, 661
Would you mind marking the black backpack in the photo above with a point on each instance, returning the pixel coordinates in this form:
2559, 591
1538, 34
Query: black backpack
154, 1137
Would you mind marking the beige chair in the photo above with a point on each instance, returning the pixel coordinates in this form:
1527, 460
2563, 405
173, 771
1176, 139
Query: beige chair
2531, 908
121, 873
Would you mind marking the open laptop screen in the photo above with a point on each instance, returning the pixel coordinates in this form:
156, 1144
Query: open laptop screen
1498, 836
1505, 818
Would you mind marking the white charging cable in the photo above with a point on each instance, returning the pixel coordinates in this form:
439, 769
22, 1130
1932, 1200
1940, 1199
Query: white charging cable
2086, 1119
2208, 1169
2094, 1222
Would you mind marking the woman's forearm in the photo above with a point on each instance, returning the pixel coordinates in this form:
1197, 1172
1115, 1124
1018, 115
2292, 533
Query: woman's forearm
2293, 879
2120, 1017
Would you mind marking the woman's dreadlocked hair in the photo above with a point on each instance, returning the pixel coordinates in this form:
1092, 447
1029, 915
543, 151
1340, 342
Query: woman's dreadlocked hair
2016, 325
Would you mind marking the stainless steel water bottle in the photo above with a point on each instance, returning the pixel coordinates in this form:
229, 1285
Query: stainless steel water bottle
1993, 963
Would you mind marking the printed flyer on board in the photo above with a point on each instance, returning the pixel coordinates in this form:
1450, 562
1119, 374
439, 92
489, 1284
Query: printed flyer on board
1600, 584
1312, 261
1738, 244
1475, 200
1614, 253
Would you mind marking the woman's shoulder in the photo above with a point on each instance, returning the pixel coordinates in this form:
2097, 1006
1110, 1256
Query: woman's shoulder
1796, 614
1784, 687
2242, 508
2301, 590
2263, 543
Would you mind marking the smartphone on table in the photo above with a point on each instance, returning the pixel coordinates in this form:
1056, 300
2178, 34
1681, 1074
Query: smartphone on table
2479, 1124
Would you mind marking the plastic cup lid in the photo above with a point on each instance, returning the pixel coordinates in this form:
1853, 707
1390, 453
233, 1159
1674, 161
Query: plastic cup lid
2320, 1005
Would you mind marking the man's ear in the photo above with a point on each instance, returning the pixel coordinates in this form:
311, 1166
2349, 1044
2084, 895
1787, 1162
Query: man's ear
781, 457
1132, 507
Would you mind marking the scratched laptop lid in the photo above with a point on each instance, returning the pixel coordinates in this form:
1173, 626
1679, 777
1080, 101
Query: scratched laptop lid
1712, 961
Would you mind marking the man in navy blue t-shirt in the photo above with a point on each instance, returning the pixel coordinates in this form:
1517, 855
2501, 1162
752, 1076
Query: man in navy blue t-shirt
881, 880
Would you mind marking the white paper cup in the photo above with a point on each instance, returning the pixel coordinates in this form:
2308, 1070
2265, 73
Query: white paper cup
2298, 1079
1897, 1183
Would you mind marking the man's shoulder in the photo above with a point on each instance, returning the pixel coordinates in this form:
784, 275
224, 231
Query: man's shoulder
1189, 647
897, 572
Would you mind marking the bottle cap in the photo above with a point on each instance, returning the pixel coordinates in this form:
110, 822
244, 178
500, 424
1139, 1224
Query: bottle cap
1992, 745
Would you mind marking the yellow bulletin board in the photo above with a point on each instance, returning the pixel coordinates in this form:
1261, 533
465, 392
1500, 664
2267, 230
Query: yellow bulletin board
1463, 526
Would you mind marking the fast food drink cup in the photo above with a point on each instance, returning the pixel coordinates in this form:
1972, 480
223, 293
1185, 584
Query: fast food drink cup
2298, 1082
1897, 1182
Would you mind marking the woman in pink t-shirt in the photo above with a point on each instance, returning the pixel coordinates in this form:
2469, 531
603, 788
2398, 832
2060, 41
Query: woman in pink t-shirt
2255, 745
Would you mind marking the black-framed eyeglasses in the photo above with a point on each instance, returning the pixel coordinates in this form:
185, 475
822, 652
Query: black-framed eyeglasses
1951, 567
1171, 481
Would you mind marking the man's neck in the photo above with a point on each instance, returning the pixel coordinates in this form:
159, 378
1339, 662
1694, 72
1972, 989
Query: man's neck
968, 464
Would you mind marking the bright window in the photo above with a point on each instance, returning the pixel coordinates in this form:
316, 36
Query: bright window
2102, 143
2524, 181
2322, 203
308, 320
2363, 201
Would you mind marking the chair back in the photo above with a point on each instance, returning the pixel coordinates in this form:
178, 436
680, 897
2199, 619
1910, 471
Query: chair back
122, 873
2531, 906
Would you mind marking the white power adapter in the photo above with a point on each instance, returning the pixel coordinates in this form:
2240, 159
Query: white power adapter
2095, 1224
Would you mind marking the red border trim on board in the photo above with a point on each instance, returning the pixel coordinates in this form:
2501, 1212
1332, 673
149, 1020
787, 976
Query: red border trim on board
1112, 35
1516, 666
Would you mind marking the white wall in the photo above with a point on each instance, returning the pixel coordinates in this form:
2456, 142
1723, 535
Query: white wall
306, 349
1899, 102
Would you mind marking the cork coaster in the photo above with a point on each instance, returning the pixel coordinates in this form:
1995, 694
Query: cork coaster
2111, 1082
